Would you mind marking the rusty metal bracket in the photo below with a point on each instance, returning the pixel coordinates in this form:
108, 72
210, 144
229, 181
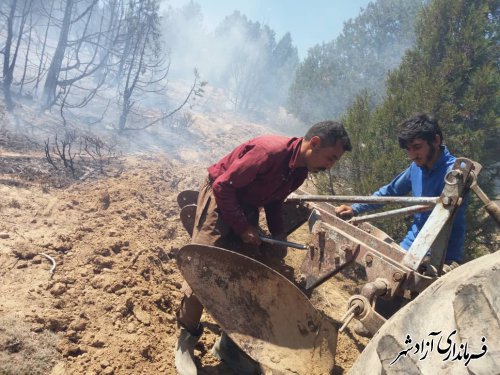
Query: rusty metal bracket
312, 282
364, 233
360, 307
416, 282
335, 244
374, 289
434, 235
394, 274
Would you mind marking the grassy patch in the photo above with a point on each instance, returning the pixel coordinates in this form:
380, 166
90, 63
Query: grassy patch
23, 351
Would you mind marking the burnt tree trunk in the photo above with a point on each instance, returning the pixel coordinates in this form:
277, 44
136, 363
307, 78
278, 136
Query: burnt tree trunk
49, 90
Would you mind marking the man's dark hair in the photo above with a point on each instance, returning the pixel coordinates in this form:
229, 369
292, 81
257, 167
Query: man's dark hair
330, 132
422, 126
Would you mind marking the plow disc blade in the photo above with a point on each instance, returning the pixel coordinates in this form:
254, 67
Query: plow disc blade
187, 197
188, 214
262, 311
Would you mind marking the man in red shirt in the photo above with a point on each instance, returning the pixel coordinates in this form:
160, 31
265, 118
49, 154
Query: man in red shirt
259, 173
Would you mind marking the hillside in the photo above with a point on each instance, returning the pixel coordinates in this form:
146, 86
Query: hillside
108, 306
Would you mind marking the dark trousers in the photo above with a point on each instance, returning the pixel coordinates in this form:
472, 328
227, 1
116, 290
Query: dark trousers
209, 229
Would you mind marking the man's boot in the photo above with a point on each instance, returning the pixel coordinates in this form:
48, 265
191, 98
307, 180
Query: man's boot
184, 352
228, 352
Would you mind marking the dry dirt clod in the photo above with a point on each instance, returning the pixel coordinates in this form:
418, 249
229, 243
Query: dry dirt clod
58, 289
142, 316
104, 201
79, 325
24, 250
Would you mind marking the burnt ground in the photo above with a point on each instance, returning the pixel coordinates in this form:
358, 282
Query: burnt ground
89, 282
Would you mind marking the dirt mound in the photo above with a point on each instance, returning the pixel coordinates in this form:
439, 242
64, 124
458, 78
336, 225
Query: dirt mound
89, 279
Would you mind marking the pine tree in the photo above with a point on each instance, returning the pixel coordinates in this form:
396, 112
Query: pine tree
333, 73
452, 72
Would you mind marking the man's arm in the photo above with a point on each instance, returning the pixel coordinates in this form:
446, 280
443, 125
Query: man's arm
455, 250
241, 173
399, 186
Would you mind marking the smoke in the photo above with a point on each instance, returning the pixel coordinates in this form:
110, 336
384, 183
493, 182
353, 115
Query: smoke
248, 67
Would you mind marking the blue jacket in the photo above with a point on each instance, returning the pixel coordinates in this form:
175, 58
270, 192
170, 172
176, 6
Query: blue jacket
422, 182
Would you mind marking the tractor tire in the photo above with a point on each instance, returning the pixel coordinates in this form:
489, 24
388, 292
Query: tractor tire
453, 327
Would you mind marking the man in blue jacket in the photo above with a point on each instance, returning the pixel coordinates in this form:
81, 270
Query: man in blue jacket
422, 139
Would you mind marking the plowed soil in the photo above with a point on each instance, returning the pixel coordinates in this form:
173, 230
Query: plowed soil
89, 283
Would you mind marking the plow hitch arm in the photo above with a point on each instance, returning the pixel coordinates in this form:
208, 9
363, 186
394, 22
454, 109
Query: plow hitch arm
273, 241
362, 199
490, 206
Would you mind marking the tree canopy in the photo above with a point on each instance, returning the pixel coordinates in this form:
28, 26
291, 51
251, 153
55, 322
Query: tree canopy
452, 72
333, 73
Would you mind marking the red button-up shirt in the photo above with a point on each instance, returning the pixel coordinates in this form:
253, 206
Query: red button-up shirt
259, 173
